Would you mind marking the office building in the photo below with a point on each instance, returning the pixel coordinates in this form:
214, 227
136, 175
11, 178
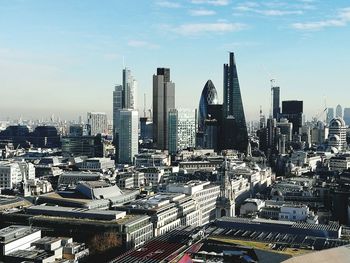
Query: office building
172, 131
117, 105
17, 134
129, 90
45, 137
209, 97
339, 111
128, 135
292, 110
347, 116
181, 130
330, 115
276, 110
235, 134
286, 128
90, 146
163, 101
337, 135
98, 122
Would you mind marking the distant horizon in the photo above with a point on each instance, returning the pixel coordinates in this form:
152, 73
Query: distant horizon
64, 58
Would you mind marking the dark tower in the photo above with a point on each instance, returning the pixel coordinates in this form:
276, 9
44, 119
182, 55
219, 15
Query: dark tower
235, 128
276, 109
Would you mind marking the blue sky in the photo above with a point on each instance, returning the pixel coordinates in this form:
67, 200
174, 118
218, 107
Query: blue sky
64, 57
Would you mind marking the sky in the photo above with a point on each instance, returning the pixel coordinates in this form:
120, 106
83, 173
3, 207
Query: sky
65, 57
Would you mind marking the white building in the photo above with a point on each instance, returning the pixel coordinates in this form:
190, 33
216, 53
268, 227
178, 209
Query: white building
14, 238
98, 122
128, 144
13, 173
204, 193
293, 212
337, 135
96, 164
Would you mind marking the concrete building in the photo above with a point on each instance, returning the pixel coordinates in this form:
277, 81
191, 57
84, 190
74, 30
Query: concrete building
286, 128
13, 173
25, 244
96, 164
337, 135
204, 193
163, 101
152, 159
14, 238
97, 122
347, 116
128, 136
339, 163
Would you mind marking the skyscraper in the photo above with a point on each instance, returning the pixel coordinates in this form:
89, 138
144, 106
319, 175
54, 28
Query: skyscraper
124, 96
163, 101
117, 105
129, 90
347, 116
209, 97
330, 115
339, 111
97, 122
276, 110
235, 133
128, 135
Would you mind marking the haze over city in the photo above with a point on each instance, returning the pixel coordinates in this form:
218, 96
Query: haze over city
64, 57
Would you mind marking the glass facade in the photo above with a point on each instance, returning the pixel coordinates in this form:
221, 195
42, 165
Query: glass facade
209, 97
235, 137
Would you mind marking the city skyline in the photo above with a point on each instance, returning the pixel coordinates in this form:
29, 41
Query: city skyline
69, 55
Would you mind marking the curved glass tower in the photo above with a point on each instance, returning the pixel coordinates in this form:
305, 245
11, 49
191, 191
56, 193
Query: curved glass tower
209, 96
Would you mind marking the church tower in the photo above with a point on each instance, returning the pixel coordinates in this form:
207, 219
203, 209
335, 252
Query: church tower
225, 203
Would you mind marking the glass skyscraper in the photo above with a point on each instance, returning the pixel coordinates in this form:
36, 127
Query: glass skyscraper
209, 97
235, 133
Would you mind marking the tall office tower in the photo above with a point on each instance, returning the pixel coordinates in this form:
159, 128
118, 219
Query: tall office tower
98, 122
181, 130
330, 115
286, 128
163, 101
128, 135
339, 111
172, 131
347, 116
292, 110
129, 90
209, 97
337, 134
276, 110
235, 133
117, 105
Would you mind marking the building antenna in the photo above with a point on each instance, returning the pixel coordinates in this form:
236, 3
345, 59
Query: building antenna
144, 105
123, 62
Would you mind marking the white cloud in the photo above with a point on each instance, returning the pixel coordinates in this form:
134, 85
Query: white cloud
201, 28
340, 20
202, 12
168, 4
141, 44
212, 2
255, 7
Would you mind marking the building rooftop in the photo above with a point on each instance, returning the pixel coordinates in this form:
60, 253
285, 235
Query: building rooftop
14, 232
